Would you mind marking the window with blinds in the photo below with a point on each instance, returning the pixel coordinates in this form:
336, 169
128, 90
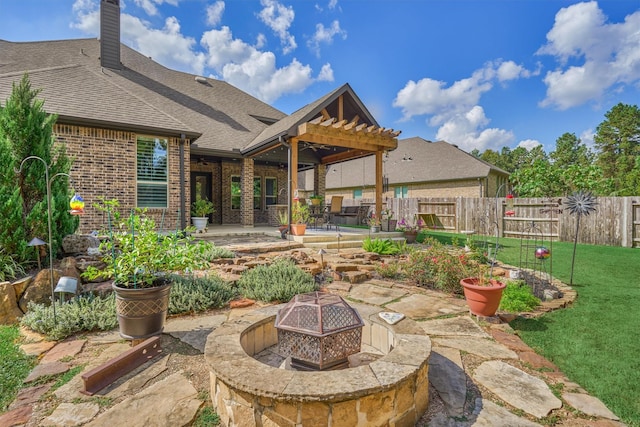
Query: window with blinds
152, 172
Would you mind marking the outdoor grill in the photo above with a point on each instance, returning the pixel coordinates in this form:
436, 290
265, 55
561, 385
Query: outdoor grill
319, 331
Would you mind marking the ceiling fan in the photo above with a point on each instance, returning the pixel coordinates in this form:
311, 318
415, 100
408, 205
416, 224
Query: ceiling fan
315, 147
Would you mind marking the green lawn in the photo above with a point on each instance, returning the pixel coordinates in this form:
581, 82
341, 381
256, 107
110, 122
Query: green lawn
14, 365
595, 342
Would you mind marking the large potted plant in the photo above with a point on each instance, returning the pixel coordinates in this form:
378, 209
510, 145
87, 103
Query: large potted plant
299, 218
483, 293
388, 223
139, 260
200, 210
283, 223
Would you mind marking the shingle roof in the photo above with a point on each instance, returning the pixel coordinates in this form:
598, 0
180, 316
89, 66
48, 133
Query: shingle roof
430, 162
143, 95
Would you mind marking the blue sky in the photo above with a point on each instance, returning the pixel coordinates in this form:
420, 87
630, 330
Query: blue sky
479, 74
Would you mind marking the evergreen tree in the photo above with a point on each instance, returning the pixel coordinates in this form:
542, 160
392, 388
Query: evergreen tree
27, 130
618, 141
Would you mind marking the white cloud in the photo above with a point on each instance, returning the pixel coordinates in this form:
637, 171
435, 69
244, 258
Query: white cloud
255, 71
455, 110
214, 13
609, 54
241, 64
325, 35
529, 144
149, 6
279, 18
588, 138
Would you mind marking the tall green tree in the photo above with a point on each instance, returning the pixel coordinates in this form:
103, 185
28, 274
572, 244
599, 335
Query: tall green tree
618, 141
27, 130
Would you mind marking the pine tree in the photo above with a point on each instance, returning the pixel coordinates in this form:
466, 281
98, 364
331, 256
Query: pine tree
27, 130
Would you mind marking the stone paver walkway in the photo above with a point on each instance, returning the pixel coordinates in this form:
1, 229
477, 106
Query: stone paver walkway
478, 375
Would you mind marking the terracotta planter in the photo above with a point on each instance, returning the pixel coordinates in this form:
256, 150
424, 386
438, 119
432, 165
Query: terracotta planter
410, 236
141, 312
482, 300
298, 229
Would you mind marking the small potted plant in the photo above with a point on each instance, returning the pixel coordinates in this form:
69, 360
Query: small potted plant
482, 292
410, 230
316, 200
374, 223
300, 216
200, 210
283, 223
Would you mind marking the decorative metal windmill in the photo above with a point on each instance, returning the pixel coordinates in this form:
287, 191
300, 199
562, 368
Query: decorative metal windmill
580, 203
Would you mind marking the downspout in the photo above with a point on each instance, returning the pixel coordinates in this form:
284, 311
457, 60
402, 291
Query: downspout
183, 223
283, 140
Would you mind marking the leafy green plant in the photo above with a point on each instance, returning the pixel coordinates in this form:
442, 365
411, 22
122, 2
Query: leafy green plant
380, 246
14, 365
137, 256
300, 213
518, 297
283, 217
9, 268
82, 314
192, 294
202, 207
207, 417
279, 281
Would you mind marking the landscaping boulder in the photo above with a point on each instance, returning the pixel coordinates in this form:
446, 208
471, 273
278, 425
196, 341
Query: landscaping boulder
69, 267
21, 285
79, 243
39, 291
9, 311
82, 263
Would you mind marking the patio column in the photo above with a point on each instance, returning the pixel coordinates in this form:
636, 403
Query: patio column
293, 168
320, 179
378, 183
246, 204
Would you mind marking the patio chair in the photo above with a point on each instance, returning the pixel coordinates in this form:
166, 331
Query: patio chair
335, 208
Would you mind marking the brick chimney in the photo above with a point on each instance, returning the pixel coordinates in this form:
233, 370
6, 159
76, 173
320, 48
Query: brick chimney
110, 34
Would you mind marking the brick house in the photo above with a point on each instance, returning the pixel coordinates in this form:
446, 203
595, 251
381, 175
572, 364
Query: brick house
158, 138
419, 169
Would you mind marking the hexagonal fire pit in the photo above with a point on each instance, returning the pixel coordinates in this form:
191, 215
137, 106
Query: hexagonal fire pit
319, 331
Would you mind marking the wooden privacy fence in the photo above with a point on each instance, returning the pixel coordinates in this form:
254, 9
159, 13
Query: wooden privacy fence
615, 222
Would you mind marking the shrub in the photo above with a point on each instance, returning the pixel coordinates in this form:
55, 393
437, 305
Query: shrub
193, 294
518, 297
9, 268
438, 267
379, 246
211, 252
279, 281
390, 270
81, 314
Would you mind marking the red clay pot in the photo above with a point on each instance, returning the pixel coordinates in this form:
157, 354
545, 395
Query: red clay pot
482, 300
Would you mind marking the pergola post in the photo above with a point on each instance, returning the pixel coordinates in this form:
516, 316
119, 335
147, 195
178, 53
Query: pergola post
378, 184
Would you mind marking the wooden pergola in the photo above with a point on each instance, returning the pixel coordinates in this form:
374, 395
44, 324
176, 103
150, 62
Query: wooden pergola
354, 138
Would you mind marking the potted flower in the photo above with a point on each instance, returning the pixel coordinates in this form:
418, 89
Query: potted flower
388, 223
374, 223
300, 216
410, 230
139, 260
316, 200
483, 293
200, 210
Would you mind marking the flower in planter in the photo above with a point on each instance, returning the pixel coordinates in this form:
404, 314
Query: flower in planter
372, 220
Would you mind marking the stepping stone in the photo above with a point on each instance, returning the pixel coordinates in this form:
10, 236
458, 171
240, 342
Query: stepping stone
16, 417
44, 369
510, 340
30, 395
454, 326
482, 347
536, 361
194, 330
62, 350
141, 376
517, 388
375, 295
491, 415
446, 374
167, 403
419, 306
71, 415
589, 405
36, 349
